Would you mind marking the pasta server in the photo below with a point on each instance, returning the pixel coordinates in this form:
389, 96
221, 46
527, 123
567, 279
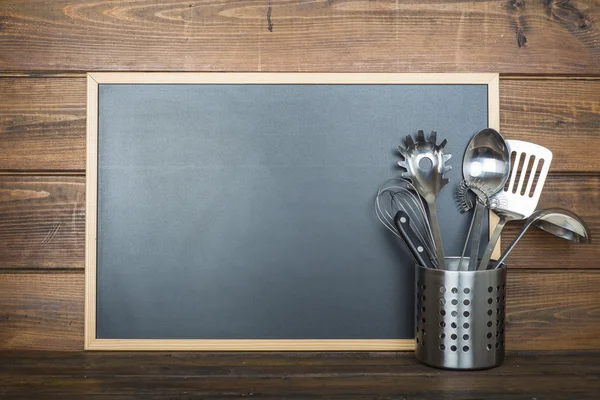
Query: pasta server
425, 165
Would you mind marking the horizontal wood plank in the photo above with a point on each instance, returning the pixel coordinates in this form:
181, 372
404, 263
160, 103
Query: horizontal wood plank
42, 221
539, 249
42, 121
552, 310
354, 35
220, 364
56, 375
564, 386
547, 310
41, 311
562, 115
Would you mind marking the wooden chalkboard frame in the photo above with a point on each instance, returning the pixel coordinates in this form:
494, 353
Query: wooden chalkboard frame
94, 79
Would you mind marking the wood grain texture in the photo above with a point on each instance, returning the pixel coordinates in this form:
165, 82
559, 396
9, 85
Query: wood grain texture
42, 124
42, 224
41, 311
562, 115
42, 121
512, 36
553, 310
548, 310
221, 364
53, 375
42, 221
154, 376
539, 249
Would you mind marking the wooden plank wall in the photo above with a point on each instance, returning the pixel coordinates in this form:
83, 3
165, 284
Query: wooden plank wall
548, 52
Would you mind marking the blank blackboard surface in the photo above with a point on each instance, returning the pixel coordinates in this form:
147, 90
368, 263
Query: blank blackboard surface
246, 211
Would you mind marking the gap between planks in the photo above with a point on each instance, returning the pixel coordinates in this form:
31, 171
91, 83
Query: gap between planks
40, 271
42, 172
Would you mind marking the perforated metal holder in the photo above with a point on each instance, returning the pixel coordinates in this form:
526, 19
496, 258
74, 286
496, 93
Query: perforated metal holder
460, 316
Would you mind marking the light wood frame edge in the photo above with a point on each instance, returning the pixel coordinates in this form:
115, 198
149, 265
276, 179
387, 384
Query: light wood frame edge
252, 344
94, 79
494, 123
291, 78
91, 189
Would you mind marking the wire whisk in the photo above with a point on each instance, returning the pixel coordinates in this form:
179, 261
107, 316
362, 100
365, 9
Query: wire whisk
399, 194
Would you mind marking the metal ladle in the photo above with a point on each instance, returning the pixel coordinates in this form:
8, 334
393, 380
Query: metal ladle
486, 165
557, 221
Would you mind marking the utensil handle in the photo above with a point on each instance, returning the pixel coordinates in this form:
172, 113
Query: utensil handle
411, 240
514, 242
437, 236
464, 250
476, 235
487, 255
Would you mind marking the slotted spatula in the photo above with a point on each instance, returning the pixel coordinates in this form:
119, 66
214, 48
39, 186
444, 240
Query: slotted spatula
520, 197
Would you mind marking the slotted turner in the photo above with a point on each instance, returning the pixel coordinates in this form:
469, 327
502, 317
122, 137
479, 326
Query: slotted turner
520, 196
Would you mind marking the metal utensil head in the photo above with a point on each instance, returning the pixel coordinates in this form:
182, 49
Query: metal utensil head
529, 169
399, 194
465, 203
486, 167
563, 223
425, 164
487, 161
557, 221
462, 197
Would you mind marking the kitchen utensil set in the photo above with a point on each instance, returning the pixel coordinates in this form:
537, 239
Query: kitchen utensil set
505, 176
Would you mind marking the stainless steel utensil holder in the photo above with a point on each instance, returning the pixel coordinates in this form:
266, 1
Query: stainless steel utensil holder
460, 316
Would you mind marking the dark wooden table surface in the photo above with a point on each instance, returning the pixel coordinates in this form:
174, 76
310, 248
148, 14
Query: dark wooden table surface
125, 375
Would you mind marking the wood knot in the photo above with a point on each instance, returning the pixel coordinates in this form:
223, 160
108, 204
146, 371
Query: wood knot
521, 38
22, 194
269, 22
518, 5
564, 11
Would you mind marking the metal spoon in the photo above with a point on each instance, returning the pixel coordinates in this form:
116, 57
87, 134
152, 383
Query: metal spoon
486, 166
557, 221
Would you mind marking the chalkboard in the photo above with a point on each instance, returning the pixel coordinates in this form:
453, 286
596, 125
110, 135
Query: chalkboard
236, 211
